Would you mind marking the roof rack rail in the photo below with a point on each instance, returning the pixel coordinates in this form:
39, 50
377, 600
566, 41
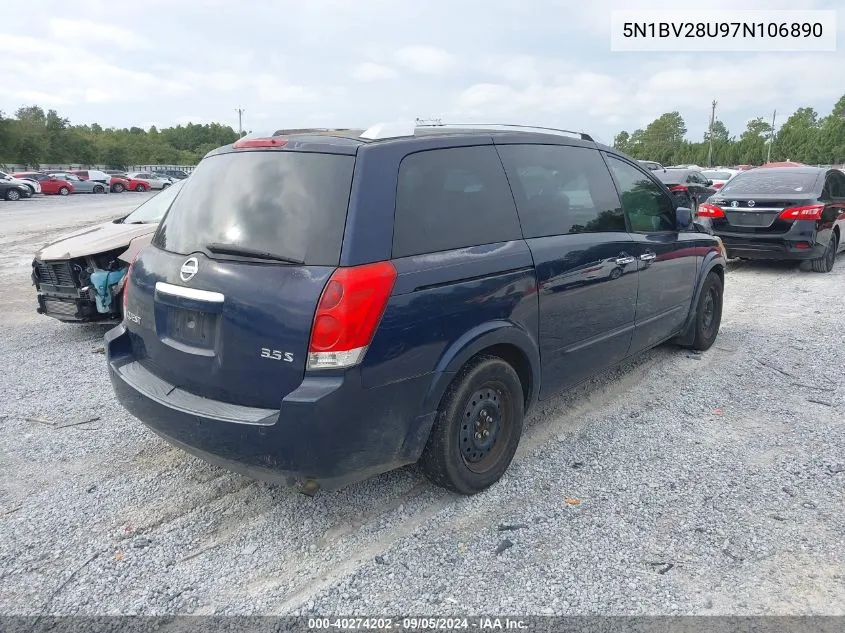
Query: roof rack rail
510, 126
397, 130
389, 130
306, 130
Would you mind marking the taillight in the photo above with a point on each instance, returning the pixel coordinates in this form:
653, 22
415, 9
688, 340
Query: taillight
708, 210
718, 185
126, 284
260, 142
349, 311
809, 212
678, 188
126, 290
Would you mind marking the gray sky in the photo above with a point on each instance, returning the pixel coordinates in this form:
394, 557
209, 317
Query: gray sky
357, 62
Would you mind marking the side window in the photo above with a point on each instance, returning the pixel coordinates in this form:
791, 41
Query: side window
648, 208
452, 198
836, 183
562, 189
826, 190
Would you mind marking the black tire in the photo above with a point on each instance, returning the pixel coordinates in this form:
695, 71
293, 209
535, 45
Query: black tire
165, 186
31, 190
140, 188
99, 189
63, 191
708, 313
118, 188
13, 195
477, 429
824, 264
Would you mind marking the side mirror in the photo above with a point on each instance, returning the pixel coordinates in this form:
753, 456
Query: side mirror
683, 218
709, 183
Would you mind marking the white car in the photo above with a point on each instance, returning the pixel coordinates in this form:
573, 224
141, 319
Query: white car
720, 177
32, 185
156, 181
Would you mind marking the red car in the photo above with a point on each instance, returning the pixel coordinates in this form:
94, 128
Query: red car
49, 184
118, 184
136, 184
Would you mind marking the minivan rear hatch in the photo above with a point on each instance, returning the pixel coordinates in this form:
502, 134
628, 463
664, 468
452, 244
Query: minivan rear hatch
223, 302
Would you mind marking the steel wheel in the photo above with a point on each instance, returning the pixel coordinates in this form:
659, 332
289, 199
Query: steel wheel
708, 313
485, 423
477, 428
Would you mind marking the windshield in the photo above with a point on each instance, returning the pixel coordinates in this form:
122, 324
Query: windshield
154, 209
288, 204
787, 181
717, 175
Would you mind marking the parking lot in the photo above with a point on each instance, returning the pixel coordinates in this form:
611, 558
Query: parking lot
679, 483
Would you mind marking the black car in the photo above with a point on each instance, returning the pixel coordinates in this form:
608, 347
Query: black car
795, 213
316, 308
12, 191
689, 186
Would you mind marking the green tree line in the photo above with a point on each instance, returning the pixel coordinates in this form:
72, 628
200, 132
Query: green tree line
34, 137
804, 137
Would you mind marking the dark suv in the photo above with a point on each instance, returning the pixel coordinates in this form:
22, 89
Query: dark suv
316, 308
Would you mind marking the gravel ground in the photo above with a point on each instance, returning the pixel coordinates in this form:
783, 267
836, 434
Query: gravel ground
678, 483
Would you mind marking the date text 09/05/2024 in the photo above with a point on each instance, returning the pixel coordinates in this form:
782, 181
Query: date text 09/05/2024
418, 624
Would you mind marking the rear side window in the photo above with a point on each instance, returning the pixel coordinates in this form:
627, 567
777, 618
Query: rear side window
452, 198
836, 184
288, 204
648, 208
562, 189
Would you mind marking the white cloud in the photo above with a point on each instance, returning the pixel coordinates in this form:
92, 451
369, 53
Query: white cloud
636, 98
73, 30
369, 71
474, 59
426, 60
195, 118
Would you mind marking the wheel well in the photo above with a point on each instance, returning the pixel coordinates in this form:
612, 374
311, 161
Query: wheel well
721, 272
514, 357
836, 233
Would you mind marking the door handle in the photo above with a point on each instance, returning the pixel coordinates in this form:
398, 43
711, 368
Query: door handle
622, 260
647, 257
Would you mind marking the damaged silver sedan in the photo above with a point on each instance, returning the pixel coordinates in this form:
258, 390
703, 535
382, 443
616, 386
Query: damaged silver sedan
79, 277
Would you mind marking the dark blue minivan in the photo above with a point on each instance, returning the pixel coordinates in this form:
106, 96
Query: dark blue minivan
319, 306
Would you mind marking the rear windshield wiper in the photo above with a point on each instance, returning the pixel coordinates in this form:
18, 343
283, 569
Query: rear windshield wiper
231, 249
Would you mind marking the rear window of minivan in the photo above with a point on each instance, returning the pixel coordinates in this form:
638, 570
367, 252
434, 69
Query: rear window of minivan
289, 204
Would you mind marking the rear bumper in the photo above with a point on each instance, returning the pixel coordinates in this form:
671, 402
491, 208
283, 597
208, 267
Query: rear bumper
330, 431
771, 248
